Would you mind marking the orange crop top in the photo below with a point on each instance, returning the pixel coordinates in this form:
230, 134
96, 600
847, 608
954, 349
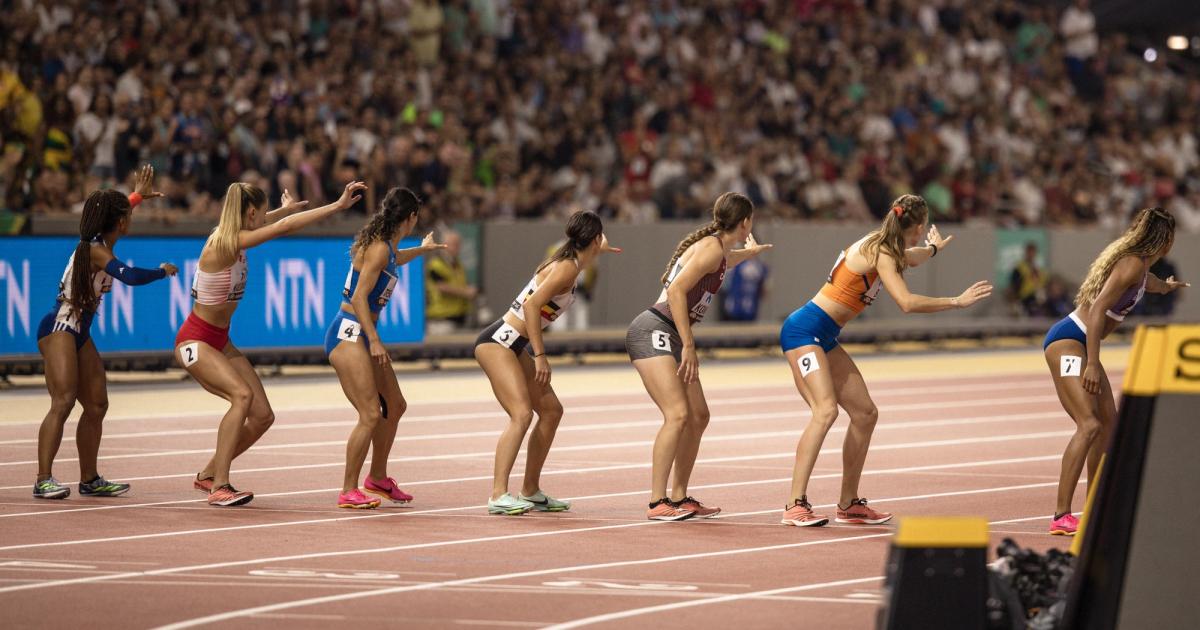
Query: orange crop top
852, 290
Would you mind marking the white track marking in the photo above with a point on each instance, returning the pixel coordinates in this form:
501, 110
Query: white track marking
270, 608
735, 458
986, 402
413, 418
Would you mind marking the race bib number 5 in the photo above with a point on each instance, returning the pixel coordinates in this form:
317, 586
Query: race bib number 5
506, 335
1070, 366
660, 340
349, 330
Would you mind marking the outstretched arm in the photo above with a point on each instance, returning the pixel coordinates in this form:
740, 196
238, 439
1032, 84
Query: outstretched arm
1154, 284
910, 302
404, 256
934, 243
289, 224
752, 249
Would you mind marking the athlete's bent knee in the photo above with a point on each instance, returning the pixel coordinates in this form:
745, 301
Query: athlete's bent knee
823, 416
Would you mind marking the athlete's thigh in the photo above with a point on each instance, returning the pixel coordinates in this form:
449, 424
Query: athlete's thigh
93, 385
61, 362
507, 376
260, 406
812, 374
1061, 358
697, 404
660, 376
848, 383
543, 396
387, 385
210, 368
1107, 404
356, 374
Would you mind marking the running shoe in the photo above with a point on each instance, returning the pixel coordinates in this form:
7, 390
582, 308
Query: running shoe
800, 514
859, 514
543, 502
1065, 525
203, 485
101, 487
386, 489
698, 508
509, 505
355, 499
227, 495
49, 488
664, 510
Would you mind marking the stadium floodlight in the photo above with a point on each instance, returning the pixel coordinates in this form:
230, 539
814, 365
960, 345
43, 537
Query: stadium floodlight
1177, 42
1150, 55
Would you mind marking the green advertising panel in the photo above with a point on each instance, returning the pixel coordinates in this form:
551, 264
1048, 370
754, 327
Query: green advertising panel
1010, 249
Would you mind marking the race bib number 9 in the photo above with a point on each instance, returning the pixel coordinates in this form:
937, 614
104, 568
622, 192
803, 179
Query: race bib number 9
349, 330
1070, 366
506, 335
808, 364
660, 340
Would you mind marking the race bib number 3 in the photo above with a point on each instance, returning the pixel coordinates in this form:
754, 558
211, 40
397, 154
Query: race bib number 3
349, 330
808, 364
660, 340
506, 335
1070, 366
189, 353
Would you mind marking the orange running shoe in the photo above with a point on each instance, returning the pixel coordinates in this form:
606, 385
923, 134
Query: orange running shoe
227, 496
664, 510
700, 510
203, 485
800, 514
857, 513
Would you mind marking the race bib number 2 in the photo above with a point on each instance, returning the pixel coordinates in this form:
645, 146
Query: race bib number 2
189, 353
1070, 366
808, 364
349, 330
506, 335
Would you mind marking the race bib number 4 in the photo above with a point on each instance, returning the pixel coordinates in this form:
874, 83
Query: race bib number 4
808, 364
349, 330
1070, 366
506, 335
189, 353
660, 340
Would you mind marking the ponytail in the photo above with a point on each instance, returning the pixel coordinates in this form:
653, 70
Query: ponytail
239, 197
582, 229
906, 211
101, 212
729, 211
398, 205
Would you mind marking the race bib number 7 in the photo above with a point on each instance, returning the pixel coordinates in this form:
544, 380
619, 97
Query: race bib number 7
1070, 366
506, 335
808, 364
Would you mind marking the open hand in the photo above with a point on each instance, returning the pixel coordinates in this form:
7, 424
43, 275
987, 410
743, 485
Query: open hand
974, 293
144, 183
935, 238
350, 195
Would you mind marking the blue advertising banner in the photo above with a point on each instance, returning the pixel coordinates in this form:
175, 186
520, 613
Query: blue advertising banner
293, 291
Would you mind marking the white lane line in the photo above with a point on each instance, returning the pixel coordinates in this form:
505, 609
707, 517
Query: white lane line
235, 614
721, 420
480, 507
497, 413
722, 438
925, 406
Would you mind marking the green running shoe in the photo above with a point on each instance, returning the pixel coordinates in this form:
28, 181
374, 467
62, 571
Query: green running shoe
50, 489
101, 487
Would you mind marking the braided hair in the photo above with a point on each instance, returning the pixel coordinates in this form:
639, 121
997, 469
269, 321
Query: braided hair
102, 210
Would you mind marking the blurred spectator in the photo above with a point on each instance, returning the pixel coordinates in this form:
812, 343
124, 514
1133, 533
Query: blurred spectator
1060, 300
1027, 283
744, 291
1159, 304
449, 296
1011, 112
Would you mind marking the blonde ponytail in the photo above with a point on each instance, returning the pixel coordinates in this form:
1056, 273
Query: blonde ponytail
239, 198
905, 212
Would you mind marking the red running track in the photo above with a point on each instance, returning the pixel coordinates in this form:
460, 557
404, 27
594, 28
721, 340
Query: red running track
160, 557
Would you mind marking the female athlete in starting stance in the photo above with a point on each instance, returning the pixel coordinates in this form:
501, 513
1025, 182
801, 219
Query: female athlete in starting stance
364, 369
513, 355
1114, 284
826, 375
74, 370
660, 344
202, 345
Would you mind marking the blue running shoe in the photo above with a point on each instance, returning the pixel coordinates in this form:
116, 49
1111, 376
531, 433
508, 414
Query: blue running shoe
101, 487
50, 489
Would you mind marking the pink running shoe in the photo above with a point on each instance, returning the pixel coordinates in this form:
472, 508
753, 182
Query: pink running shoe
859, 514
356, 500
697, 508
664, 510
800, 514
386, 489
1065, 525
203, 485
227, 496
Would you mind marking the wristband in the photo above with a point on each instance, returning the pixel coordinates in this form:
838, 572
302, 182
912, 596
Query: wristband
135, 198
934, 250
540, 354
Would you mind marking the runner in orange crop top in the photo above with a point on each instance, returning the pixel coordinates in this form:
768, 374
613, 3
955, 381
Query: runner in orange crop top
809, 339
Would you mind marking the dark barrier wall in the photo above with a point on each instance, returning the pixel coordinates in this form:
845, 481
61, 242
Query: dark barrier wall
293, 293
799, 263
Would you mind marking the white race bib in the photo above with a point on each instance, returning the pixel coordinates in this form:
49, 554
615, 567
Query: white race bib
189, 353
1070, 366
808, 364
701, 307
349, 330
506, 335
660, 340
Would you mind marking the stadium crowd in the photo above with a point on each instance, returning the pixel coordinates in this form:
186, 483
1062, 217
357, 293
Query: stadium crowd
994, 110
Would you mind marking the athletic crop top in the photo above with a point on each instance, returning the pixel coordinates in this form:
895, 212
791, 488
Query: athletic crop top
699, 297
220, 287
552, 309
1128, 300
101, 282
384, 284
853, 290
